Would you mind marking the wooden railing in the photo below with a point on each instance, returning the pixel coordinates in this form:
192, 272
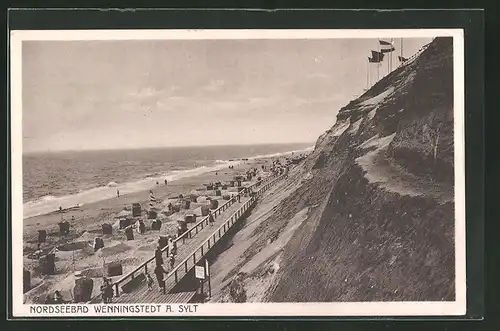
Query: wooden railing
143, 268
189, 262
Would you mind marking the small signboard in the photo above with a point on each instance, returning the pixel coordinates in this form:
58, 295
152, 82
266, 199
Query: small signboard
199, 272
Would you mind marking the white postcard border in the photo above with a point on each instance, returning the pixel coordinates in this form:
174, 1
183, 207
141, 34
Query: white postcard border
455, 308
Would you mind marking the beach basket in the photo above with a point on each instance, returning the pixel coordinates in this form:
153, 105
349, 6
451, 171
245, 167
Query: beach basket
26, 280
214, 204
136, 210
176, 208
42, 236
98, 244
210, 187
124, 222
204, 210
193, 198
107, 229
83, 289
47, 264
226, 197
218, 193
163, 241
190, 218
152, 214
186, 204
224, 187
129, 233
63, 228
156, 225
231, 183
114, 269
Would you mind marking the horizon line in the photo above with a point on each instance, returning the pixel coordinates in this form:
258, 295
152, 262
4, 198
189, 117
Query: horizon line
160, 147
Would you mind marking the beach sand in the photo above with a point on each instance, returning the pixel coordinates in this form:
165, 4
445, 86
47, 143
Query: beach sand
87, 223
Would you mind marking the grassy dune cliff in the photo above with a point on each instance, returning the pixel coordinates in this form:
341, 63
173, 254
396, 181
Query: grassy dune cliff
369, 215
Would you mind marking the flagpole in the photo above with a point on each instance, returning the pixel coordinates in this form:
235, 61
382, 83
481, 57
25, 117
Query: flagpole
378, 64
392, 42
388, 65
401, 50
367, 73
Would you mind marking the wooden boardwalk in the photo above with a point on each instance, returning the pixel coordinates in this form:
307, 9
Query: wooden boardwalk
191, 249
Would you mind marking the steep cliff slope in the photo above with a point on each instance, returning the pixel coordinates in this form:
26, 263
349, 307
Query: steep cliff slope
369, 215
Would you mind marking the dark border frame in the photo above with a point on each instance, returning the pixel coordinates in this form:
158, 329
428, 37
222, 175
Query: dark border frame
472, 21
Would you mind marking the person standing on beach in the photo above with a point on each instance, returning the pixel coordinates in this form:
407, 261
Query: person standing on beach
118, 193
165, 182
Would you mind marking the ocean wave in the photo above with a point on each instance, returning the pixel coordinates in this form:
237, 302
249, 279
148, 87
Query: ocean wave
280, 154
41, 199
51, 203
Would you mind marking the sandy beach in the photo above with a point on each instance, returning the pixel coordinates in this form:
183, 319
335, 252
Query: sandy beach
74, 251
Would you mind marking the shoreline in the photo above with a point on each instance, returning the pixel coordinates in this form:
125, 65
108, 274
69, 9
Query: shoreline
137, 186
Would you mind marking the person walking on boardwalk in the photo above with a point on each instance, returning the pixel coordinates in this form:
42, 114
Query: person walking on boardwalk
158, 256
211, 219
172, 260
150, 281
239, 197
159, 271
172, 246
106, 290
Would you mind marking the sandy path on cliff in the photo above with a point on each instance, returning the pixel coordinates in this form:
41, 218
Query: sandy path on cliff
392, 177
229, 261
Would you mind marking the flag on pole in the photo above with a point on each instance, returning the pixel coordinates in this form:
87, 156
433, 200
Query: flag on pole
386, 46
402, 59
376, 57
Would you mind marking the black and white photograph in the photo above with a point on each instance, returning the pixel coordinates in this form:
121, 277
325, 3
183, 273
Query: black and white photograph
238, 172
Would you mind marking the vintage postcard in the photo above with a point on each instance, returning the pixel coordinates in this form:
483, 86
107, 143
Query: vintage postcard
238, 173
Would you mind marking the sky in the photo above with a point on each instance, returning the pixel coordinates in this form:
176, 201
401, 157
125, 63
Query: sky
80, 95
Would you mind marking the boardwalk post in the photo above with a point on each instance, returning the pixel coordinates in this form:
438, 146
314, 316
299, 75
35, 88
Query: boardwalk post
207, 271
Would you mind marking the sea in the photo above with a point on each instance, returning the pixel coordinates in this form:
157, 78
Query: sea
74, 178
